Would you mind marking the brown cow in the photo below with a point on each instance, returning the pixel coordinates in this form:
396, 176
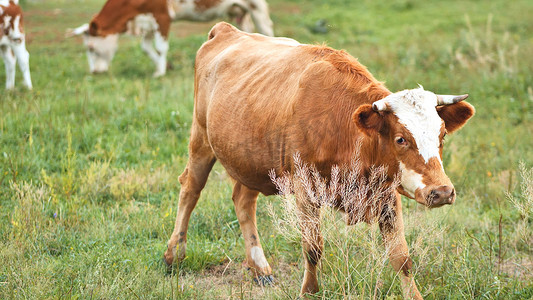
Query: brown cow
100, 36
12, 43
151, 19
258, 100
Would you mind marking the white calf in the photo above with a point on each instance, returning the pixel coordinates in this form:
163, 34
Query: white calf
12, 43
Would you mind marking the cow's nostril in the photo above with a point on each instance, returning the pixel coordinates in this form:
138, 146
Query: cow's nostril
452, 196
440, 196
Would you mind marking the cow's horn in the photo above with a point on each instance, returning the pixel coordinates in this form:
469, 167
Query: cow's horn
450, 99
77, 31
380, 105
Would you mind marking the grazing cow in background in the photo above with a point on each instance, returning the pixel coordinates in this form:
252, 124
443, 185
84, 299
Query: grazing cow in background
12, 43
151, 19
259, 100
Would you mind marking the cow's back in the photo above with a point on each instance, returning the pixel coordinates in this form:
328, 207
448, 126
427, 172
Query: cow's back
115, 14
262, 99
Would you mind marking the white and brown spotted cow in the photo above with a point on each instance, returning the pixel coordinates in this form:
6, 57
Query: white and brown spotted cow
151, 19
12, 43
259, 100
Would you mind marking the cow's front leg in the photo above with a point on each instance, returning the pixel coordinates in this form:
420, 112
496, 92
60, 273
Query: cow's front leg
391, 226
312, 243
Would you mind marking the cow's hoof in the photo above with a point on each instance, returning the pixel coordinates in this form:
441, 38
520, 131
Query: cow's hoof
170, 268
264, 280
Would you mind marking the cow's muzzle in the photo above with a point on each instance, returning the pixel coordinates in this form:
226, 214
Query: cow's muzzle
442, 195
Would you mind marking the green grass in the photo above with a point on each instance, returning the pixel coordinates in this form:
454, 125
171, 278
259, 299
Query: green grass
89, 164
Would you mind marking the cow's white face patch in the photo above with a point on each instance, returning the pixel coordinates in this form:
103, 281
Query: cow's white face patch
410, 180
4, 3
416, 110
100, 51
258, 257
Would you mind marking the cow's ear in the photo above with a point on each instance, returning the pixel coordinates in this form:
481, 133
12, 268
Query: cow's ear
367, 119
455, 115
93, 28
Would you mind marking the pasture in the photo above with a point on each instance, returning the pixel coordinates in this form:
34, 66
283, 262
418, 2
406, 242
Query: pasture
89, 163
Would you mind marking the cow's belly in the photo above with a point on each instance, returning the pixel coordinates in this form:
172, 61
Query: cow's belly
247, 153
258, 180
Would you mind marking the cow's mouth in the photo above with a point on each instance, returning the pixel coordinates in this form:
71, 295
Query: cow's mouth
432, 196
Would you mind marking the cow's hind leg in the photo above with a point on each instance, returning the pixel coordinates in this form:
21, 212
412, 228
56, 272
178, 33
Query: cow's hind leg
161, 46
193, 179
391, 226
312, 243
245, 201
157, 55
10, 63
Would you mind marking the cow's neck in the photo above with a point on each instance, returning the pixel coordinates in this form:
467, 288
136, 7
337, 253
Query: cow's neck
374, 152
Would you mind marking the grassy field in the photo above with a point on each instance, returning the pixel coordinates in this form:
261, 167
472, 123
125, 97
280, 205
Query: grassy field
89, 164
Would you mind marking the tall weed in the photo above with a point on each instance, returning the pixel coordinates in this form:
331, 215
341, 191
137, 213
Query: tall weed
354, 264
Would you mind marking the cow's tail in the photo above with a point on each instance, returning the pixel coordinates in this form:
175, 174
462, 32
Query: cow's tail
218, 28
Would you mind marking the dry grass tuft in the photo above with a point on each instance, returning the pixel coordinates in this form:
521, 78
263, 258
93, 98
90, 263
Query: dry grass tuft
487, 51
360, 197
355, 261
355, 258
131, 183
523, 202
28, 218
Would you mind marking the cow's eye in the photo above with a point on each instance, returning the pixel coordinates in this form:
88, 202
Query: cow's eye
401, 141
